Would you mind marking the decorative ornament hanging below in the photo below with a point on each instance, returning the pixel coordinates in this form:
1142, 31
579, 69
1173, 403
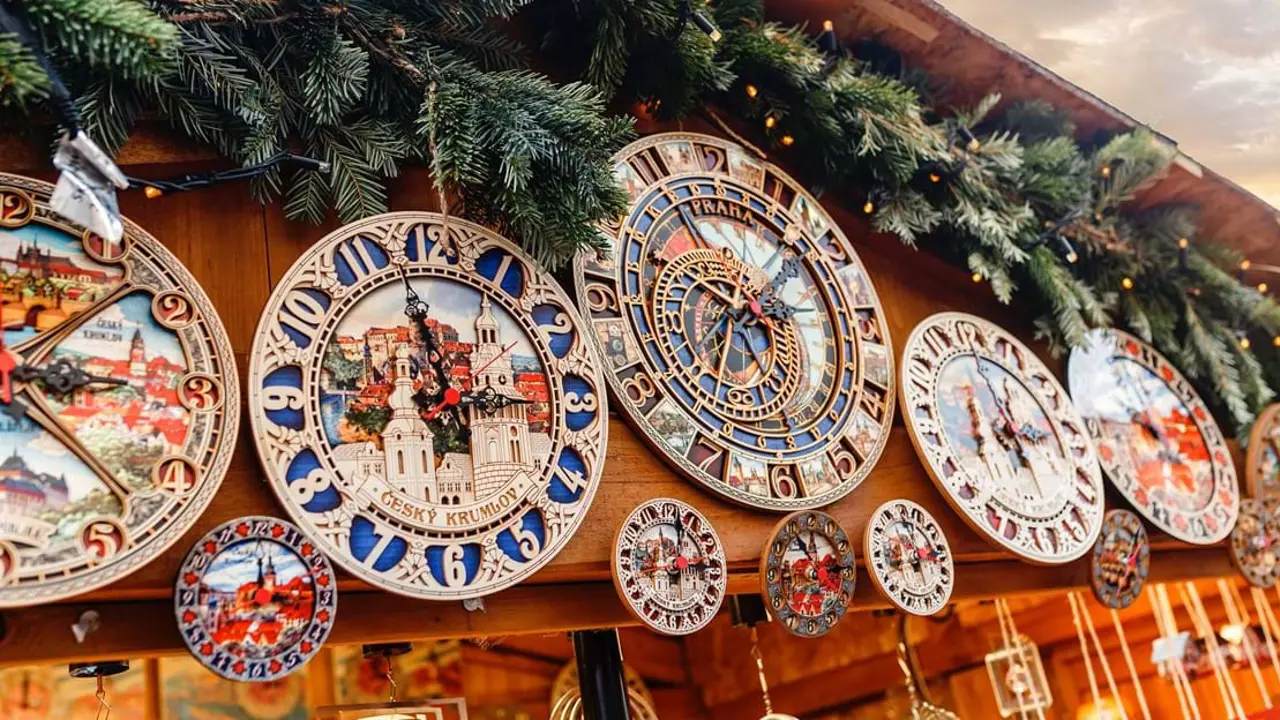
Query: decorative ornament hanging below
1255, 542
255, 599
566, 683
1120, 561
1155, 438
669, 567
1000, 438
1262, 463
908, 557
807, 573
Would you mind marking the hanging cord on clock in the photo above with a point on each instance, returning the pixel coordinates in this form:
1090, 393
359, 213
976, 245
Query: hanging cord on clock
1204, 629
1238, 616
1269, 627
437, 170
1133, 671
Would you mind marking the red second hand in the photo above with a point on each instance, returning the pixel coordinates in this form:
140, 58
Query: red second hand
452, 396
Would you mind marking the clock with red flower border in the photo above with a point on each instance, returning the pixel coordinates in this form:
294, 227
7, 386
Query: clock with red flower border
255, 599
1155, 438
807, 573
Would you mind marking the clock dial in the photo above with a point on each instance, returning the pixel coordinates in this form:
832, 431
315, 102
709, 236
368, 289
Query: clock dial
908, 557
255, 599
425, 407
807, 573
1155, 437
1255, 540
118, 396
1262, 464
1000, 438
741, 333
669, 567
1121, 560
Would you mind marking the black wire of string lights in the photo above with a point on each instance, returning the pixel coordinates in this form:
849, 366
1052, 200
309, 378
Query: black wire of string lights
194, 181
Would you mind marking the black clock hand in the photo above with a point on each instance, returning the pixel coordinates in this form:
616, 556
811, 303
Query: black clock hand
488, 401
61, 376
417, 311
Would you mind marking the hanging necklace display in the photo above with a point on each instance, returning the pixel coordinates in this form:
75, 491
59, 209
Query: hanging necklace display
100, 671
425, 406
1166, 651
1016, 672
1205, 632
1156, 439
1262, 462
255, 599
908, 557
119, 401
807, 573
1255, 542
1240, 636
917, 688
669, 567
1121, 560
1000, 438
743, 337
1082, 620
393, 709
566, 683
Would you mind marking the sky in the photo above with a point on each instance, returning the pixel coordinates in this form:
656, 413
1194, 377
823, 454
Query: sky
1206, 73
109, 334
238, 565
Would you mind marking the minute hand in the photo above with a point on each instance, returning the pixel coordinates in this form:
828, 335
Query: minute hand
61, 377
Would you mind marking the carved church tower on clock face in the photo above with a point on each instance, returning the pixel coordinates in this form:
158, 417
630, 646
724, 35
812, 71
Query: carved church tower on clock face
137, 360
500, 444
406, 440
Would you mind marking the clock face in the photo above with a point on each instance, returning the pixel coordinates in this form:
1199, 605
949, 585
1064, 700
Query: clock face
118, 401
807, 573
255, 599
669, 567
742, 335
1262, 464
1255, 540
1121, 560
1000, 438
425, 407
1155, 437
908, 557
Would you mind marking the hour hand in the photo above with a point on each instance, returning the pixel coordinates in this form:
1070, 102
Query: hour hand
488, 401
61, 376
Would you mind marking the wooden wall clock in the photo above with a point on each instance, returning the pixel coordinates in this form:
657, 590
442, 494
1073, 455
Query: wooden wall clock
1121, 560
807, 573
255, 599
1156, 439
1000, 438
669, 567
425, 406
742, 335
1262, 462
1255, 542
908, 557
119, 401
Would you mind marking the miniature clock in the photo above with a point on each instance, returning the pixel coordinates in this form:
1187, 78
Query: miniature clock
1121, 560
1155, 437
1255, 540
118, 395
1262, 463
908, 557
1000, 438
255, 599
742, 336
425, 406
669, 567
807, 573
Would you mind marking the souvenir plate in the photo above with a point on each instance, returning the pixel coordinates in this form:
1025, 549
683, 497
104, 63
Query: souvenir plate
425, 406
908, 557
119, 401
1000, 438
255, 599
669, 567
1156, 439
807, 573
1262, 463
741, 333
1121, 560
1255, 540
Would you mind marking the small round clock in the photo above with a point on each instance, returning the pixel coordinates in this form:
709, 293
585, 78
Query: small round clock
807, 573
426, 407
742, 336
255, 599
1255, 542
1121, 560
1155, 437
908, 557
669, 567
1262, 462
1000, 438
119, 401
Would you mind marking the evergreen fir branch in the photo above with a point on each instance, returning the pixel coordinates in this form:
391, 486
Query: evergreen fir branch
1036, 121
122, 36
22, 80
1135, 161
108, 108
993, 272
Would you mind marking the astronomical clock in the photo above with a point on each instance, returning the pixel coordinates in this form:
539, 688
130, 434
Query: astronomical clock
1000, 438
807, 573
426, 407
1156, 439
1262, 463
118, 396
908, 557
742, 336
1121, 560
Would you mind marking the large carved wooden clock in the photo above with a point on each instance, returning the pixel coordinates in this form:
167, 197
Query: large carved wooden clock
741, 333
119, 398
425, 406
1262, 462
1156, 439
1000, 438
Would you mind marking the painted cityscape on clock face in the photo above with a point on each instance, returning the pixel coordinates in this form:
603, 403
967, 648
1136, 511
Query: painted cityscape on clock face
256, 599
809, 576
669, 565
382, 404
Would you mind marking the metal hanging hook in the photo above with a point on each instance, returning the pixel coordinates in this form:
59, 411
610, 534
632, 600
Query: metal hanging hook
104, 708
